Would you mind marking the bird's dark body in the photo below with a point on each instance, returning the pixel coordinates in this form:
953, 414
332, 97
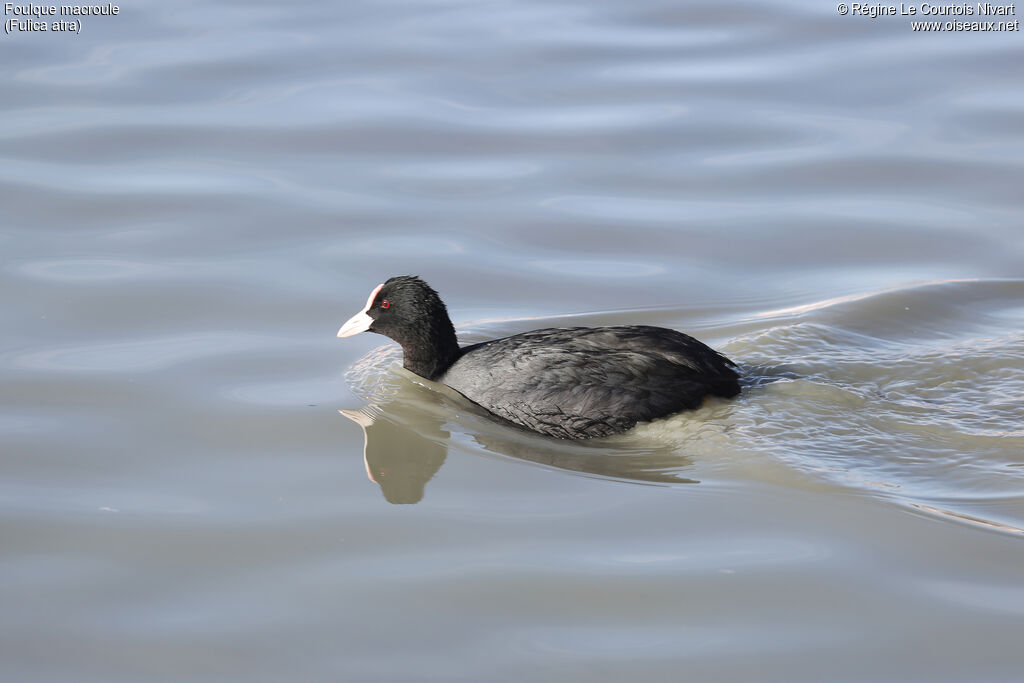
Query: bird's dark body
566, 382
581, 382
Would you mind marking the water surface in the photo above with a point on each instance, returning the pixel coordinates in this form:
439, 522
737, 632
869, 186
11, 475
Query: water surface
200, 482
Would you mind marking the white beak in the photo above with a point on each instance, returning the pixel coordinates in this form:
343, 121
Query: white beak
361, 321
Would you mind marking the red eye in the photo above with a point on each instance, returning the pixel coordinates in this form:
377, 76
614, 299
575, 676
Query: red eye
385, 304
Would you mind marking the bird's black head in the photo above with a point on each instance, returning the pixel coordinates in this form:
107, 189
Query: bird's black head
408, 310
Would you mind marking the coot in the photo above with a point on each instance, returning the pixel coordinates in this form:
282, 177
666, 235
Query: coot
566, 382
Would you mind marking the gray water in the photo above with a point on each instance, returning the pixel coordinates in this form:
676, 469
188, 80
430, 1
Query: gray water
201, 483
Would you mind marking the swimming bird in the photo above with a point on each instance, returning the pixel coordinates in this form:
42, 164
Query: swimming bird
565, 382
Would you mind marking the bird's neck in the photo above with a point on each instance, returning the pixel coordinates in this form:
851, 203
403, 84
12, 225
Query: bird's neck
432, 350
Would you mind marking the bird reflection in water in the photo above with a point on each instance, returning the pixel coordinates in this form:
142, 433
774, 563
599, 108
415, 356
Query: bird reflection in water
406, 437
397, 459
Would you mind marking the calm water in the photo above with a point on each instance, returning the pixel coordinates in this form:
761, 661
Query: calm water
200, 482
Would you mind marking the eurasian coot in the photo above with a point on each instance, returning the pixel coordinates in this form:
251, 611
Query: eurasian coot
566, 382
